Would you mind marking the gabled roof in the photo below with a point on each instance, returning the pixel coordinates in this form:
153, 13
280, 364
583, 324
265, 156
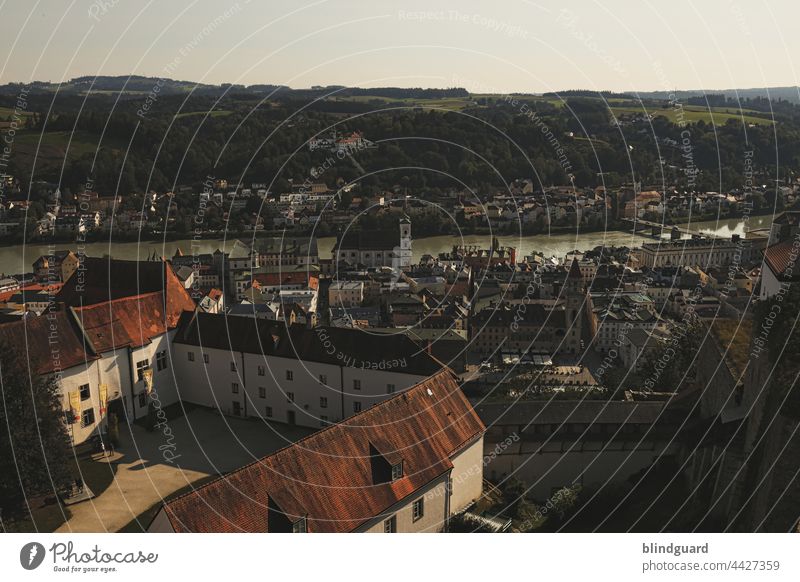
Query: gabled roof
368, 240
129, 321
101, 279
353, 347
30, 336
327, 477
781, 258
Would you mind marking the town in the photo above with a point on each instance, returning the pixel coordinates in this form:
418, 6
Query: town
545, 386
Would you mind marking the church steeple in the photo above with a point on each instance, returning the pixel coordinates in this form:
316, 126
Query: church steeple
574, 298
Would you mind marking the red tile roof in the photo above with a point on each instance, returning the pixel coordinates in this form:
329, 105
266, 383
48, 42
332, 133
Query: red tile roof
130, 321
98, 280
125, 303
51, 342
327, 476
782, 256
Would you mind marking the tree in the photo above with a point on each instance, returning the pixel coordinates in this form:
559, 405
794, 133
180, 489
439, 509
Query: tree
34, 446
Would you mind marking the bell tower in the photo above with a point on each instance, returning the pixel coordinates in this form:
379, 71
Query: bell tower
574, 296
405, 242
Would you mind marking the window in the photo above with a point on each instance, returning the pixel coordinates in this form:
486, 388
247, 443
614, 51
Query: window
262, 392
299, 526
290, 396
391, 388
205, 358
356, 384
142, 399
397, 471
262, 371
140, 368
233, 366
323, 420
87, 417
190, 355
289, 375
323, 402
85, 395
390, 525
268, 411
161, 360
323, 379
356, 406
235, 387
418, 509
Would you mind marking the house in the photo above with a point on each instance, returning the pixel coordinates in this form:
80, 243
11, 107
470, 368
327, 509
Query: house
346, 293
285, 251
83, 382
8, 284
212, 302
57, 267
128, 327
407, 464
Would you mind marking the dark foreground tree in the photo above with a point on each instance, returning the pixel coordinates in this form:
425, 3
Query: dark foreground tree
34, 446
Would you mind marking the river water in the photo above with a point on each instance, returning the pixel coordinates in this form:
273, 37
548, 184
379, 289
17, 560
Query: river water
19, 258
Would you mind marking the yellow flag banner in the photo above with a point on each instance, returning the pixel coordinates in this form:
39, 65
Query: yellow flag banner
103, 398
75, 405
148, 380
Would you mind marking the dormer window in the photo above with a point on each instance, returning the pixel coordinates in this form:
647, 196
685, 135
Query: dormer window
386, 463
300, 526
397, 471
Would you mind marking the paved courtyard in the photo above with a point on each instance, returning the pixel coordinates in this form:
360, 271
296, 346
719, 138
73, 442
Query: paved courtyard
152, 465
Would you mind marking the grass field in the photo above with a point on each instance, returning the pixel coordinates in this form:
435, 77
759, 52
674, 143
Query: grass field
452, 104
695, 113
619, 106
7, 113
217, 113
55, 147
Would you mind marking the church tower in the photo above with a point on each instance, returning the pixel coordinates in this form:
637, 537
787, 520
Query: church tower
574, 295
405, 242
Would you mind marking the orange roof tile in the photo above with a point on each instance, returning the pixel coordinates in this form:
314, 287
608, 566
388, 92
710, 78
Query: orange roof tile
782, 256
327, 476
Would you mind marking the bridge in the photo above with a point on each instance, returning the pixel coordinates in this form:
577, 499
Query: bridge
656, 230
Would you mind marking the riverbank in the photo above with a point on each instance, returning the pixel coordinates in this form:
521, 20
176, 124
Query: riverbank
19, 258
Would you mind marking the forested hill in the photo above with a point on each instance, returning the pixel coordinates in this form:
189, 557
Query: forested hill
426, 139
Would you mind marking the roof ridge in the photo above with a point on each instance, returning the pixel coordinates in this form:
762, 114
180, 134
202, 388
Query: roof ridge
119, 299
306, 438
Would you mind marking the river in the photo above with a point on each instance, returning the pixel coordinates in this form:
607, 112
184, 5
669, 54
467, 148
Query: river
19, 258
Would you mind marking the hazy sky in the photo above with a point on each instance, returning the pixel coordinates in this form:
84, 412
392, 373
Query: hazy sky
500, 46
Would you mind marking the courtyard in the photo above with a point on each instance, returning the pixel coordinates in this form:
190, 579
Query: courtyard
149, 467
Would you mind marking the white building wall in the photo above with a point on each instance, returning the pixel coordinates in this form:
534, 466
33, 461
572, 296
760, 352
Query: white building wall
770, 285
467, 476
374, 386
212, 385
71, 380
434, 513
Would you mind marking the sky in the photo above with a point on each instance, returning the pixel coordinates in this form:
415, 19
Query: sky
488, 47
